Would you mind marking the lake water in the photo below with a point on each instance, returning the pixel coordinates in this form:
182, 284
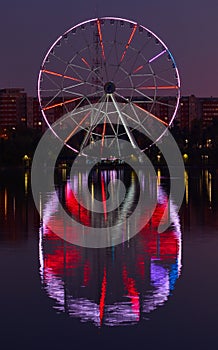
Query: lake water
151, 291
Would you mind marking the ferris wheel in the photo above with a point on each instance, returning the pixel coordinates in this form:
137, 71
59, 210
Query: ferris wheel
108, 78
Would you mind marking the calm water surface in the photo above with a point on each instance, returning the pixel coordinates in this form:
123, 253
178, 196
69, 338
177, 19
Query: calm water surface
151, 291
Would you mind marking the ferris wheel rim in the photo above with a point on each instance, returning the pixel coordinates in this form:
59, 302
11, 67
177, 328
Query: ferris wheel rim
93, 20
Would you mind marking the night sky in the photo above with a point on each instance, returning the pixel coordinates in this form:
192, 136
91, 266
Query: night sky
189, 28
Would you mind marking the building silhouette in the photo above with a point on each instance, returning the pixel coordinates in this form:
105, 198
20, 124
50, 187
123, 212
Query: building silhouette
13, 109
17, 108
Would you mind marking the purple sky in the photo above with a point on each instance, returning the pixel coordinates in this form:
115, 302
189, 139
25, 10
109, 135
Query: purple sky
189, 28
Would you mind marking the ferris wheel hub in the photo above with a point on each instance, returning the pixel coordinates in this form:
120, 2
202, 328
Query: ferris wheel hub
109, 87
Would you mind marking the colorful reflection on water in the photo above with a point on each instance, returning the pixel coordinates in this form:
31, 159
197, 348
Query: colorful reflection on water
113, 286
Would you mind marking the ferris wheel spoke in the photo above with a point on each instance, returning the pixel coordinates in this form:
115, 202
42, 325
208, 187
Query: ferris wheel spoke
75, 94
82, 99
138, 53
170, 83
60, 104
66, 65
147, 75
88, 49
157, 56
139, 124
118, 123
104, 127
86, 62
98, 77
100, 87
52, 99
49, 78
117, 60
120, 65
92, 71
142, 97
85, 66
75, 111
146, 79
50, 90
133, 97
113, 129
100, 38
91, 54
91, 67
71, 67
110, 51
103, 132
163, 71
123, 122
163, 87
137, 121
158, 102
69, 88
150, 114
89, 134
146, 43
77, 127
123, 88
60, 75
135, 114
127, 77
59, 58
127, 100
93, 124
138, 69
129, 42
115, 140
148, 98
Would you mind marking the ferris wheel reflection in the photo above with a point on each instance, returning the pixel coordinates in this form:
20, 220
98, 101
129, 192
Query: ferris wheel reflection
113, 286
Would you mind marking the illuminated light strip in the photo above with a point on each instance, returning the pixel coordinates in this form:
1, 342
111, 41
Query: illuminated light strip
129, 41
6, 201
103, 197
137, 69
150, 114
61, 75
75, 129
155, 57
86, 63
133, 294
86, 276
103, 133
102, 299
100, 37
158, 87
61, 103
